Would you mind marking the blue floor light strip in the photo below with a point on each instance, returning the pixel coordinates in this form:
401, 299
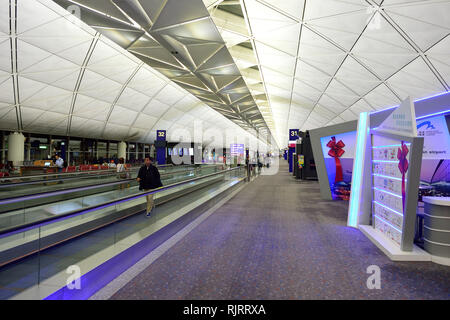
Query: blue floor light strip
357, 178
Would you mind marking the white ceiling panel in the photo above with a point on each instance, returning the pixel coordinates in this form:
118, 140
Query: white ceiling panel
122, 116
426, 22
344, 30
326, 8
381, 97
356, 77
116, 132
145, 121
6, 92
83, 127
32, 15
439, 55
307, 64
5, 55
50, 98
170, 94
90, 108
156, 108
133, 100
360, 106
415, 80
147, 82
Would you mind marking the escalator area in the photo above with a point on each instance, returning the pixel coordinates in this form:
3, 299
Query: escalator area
101, 233
18, 186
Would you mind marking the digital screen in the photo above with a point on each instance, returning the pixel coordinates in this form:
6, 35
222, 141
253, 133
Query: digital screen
237, 149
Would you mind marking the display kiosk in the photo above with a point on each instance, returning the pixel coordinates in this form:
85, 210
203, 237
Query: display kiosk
386, 177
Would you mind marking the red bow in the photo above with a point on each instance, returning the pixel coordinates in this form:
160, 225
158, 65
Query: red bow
336, 152
401, 156
403, 167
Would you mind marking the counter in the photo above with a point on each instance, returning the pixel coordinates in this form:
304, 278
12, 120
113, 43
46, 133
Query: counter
437, 226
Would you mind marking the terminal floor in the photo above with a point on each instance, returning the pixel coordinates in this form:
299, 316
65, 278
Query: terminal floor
277, 239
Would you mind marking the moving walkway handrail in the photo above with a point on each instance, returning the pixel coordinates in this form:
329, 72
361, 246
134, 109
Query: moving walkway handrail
82, 175
47, 194
64, 175
32, 225
78, 173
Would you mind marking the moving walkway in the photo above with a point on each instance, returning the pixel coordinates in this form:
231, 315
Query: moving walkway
28, 194
46, 246
17, 186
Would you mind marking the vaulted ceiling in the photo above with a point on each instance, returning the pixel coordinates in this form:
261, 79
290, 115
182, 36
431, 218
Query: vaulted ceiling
121, 69
59, 75
322, 62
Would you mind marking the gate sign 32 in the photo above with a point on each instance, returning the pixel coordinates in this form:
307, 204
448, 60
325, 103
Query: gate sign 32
161, 134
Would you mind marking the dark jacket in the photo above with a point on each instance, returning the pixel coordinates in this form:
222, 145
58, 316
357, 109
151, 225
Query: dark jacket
150, 178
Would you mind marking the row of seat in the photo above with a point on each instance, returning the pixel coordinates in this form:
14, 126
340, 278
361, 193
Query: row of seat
83, 167
89, 167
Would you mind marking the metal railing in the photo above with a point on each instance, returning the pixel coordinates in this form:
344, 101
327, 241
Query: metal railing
69, 175
46, 194
32, 225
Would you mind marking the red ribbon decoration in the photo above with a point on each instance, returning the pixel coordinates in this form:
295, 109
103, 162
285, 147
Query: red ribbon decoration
336, 152
403, 167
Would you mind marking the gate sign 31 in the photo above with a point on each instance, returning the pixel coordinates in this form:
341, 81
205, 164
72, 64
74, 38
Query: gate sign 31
293, 134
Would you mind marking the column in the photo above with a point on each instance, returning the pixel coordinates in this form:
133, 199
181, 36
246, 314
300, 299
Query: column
28, 142
2, 146
16, 148
122, 150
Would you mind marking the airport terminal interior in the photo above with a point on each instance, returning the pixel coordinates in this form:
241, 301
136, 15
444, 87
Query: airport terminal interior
224, 150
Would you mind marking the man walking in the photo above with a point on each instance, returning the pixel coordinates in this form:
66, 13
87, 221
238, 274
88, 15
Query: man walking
149, 178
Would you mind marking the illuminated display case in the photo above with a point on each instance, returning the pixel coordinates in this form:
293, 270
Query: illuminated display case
395, 165
390, 164
386, 179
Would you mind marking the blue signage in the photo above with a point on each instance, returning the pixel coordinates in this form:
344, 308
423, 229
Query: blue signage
293, 134
161, 152
161, 135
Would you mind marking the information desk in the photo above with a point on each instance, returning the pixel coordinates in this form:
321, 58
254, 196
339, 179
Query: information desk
437, 226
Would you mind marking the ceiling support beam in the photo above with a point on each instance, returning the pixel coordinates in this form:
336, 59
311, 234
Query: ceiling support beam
124, 86
14, 64
79, 79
